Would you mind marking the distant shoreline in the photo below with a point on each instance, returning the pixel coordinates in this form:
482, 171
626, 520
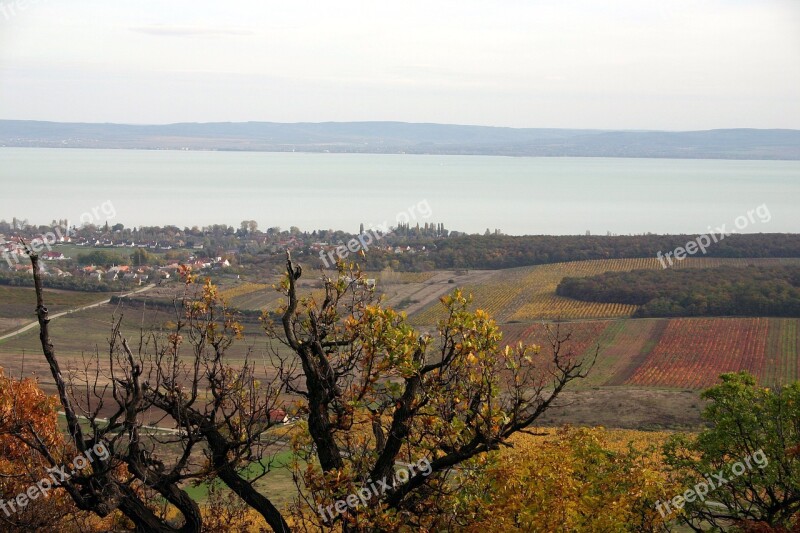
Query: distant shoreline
407, 138
333, 152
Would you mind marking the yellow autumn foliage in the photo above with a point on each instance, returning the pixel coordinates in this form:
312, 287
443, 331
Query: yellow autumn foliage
571, 479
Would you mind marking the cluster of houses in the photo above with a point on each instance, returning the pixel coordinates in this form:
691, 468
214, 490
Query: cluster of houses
13, 254
143, 274
56, 263
99, 242
110, 243
129, 274
324, 247
135, 275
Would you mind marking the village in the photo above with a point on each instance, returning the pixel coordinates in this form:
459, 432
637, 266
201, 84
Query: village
115, 256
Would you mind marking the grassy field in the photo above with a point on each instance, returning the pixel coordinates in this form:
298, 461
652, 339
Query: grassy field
781, 358
18, 304
278, 484
78, 337
626, 349
405, 291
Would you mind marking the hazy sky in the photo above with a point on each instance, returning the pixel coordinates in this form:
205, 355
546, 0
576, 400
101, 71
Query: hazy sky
663, 64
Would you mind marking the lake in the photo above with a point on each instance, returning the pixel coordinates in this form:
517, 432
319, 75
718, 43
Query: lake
340, 191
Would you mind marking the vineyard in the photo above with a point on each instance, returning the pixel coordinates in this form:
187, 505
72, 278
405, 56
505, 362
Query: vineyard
249, 295
692, 353
622, 354
782, 342
584, 336
521, 294
525, 294
688, 353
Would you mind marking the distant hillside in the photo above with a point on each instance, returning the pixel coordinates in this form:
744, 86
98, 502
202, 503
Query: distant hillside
395, 137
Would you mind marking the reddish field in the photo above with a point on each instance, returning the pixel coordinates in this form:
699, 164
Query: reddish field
584, 336
685, 353
693, 352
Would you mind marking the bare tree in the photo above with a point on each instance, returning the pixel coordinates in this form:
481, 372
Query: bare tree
220, 417
378, 394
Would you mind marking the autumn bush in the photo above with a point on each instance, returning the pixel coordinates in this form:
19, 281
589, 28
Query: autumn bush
570, 479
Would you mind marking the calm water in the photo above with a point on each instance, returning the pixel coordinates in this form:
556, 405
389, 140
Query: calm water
339, 191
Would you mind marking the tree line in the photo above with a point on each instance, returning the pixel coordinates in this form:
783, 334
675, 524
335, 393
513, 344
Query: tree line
509, 251
503, 251
721, 291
